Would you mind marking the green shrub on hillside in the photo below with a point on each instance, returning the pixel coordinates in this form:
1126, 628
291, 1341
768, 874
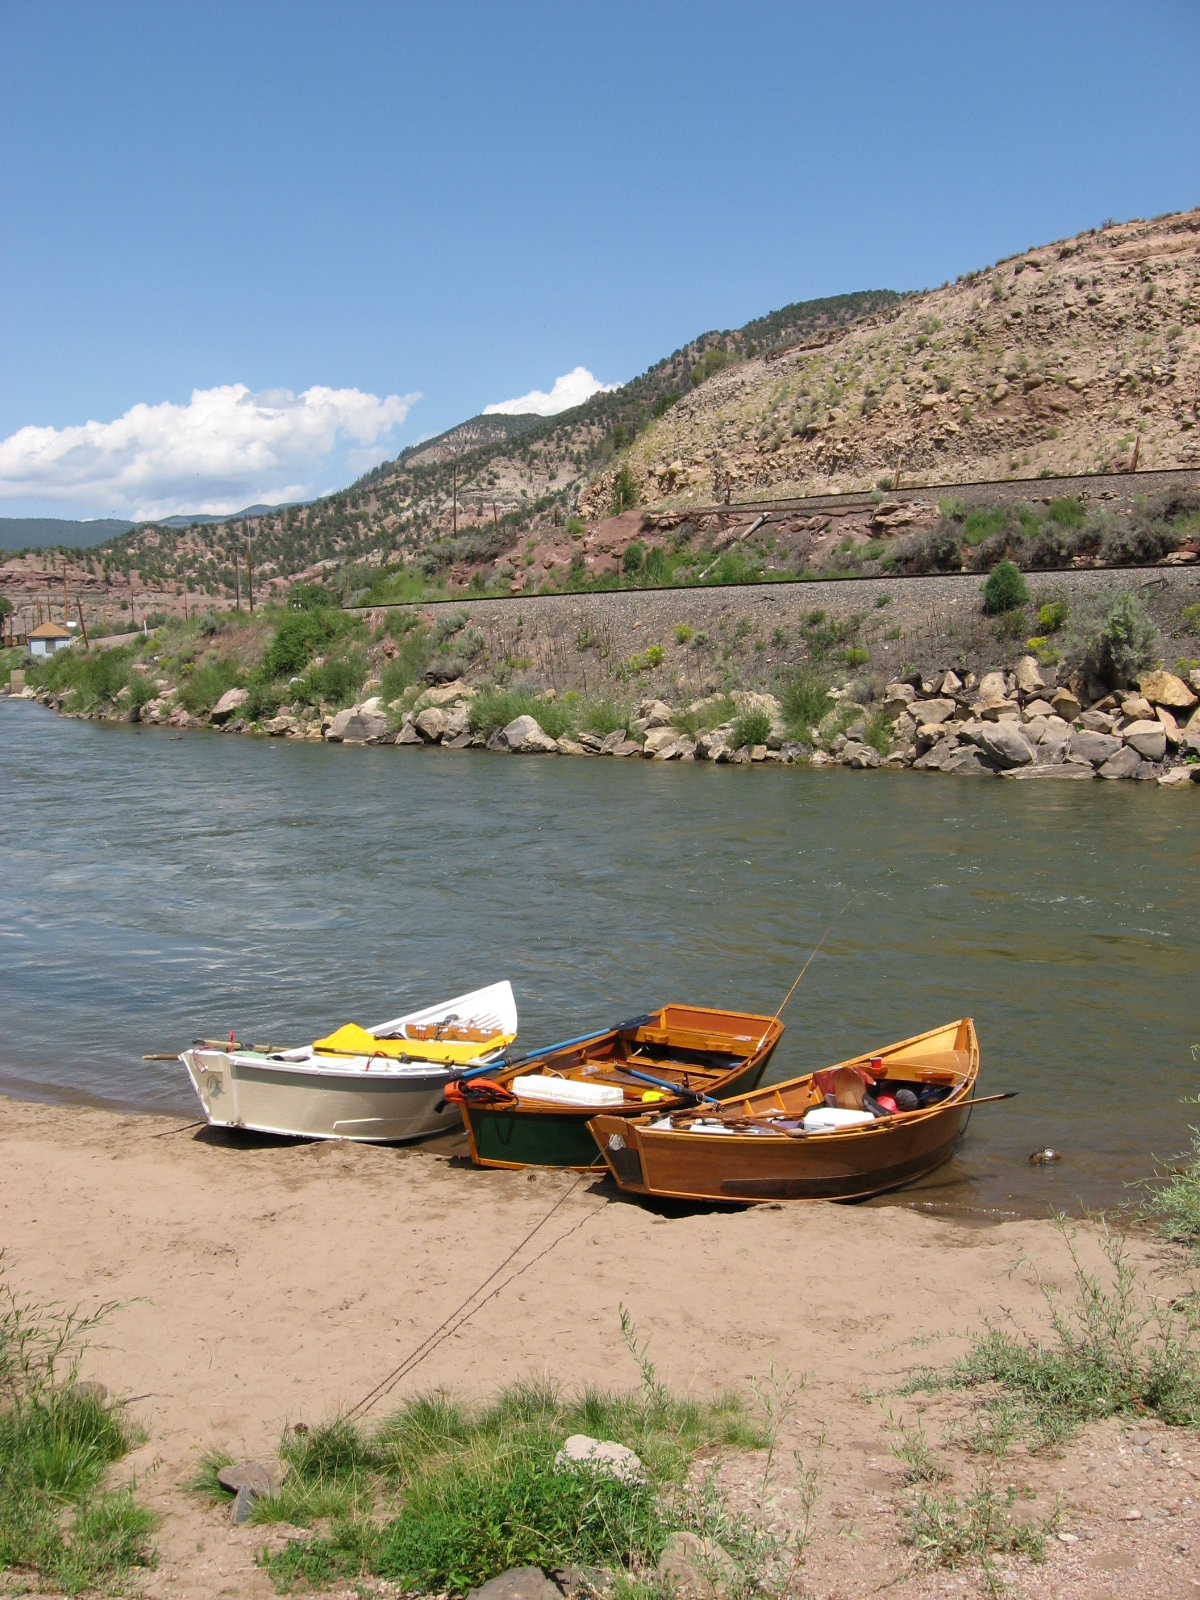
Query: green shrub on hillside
300, 635
751, 728
804, 696
625, 490
1113, 639
1004, 590
90, 678
206, 683
631, 561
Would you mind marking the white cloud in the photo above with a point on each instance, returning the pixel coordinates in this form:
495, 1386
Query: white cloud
572, 389
225, 449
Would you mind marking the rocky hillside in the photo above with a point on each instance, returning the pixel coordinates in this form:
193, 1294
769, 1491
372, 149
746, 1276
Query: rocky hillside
1080, 356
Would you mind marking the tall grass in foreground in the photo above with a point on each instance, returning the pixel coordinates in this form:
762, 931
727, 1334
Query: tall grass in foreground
56, 1444
476, 1490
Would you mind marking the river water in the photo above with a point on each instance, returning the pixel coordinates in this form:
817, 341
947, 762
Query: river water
157, 886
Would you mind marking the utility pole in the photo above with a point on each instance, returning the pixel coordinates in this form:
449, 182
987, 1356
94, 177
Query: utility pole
237, 583
66, 612
249, 578
456, 494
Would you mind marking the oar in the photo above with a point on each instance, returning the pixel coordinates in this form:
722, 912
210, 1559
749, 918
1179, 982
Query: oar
986, 1099
671, 1088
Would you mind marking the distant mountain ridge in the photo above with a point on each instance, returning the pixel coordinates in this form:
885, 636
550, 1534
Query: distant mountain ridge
66, 533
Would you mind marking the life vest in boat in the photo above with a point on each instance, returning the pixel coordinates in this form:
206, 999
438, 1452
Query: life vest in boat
478, 1092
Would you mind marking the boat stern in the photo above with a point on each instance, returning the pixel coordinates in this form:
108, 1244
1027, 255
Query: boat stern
212, 1079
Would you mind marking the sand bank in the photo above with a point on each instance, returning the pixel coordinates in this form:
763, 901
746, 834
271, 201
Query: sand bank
264, 1283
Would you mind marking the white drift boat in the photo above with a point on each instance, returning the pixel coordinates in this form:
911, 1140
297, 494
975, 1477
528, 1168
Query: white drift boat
383, 1084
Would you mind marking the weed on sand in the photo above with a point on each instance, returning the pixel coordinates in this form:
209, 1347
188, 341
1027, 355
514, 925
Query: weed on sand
57, 1440
1114, 1350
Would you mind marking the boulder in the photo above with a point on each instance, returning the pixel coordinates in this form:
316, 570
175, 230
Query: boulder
1006, 745
247, 1475
592, 743
951, 684
1088, 745
935, 711
1137, 708
993, 710
430, 723
568, 747
662, 737
860, 755
898, 695
657, 714
1065, 703
408, 733
446, 694
1165, 689
524, 736
1169, 725
1097, 721
1041, 769
1029, 679
1149, 739
1178, 776
626, 747
1054, 742
934, 758
232, 700
1033, 709
992, 687
602, 1457
696, 1567
611, 740
522, 1583
277, 727
1126, 763
357, 725
964, 761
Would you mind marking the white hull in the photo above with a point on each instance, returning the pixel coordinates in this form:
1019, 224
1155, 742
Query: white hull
308, 1094
379, 1105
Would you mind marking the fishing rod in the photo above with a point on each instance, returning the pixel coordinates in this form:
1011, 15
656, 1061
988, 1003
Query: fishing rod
806, 966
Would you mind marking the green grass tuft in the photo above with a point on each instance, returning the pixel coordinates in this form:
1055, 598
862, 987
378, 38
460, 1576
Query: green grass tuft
56, 1445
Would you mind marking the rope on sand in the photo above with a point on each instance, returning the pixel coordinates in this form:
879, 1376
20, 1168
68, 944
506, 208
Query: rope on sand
461, 1315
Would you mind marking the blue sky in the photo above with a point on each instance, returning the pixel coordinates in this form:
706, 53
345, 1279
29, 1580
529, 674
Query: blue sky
309, 215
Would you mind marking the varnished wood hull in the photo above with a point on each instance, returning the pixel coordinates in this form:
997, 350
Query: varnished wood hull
745, 1166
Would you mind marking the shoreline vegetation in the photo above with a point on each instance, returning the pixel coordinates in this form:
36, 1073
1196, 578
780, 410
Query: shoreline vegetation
1056, 681
1016, 1426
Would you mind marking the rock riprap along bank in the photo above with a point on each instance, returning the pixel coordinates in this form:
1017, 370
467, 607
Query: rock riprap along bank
1019, 723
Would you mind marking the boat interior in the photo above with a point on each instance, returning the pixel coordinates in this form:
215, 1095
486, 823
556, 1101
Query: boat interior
683, 1047
906, 1079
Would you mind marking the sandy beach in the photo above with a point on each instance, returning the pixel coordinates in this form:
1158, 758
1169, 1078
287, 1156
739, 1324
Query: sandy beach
264, 1283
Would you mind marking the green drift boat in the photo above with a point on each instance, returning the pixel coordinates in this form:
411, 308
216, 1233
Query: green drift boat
535, 1112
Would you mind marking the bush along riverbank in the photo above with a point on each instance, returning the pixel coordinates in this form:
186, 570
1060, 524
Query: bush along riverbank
1086, 696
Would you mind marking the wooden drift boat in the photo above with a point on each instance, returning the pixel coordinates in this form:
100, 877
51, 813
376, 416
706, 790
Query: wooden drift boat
788, 1142
380, 1085
535, 1112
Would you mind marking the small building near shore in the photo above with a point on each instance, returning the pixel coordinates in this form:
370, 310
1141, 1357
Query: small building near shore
48, 637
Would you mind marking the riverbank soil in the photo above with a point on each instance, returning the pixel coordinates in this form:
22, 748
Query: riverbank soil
261, 1284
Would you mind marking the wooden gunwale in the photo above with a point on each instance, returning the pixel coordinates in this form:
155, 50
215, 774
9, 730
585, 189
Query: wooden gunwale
739, 1166
555, 1135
